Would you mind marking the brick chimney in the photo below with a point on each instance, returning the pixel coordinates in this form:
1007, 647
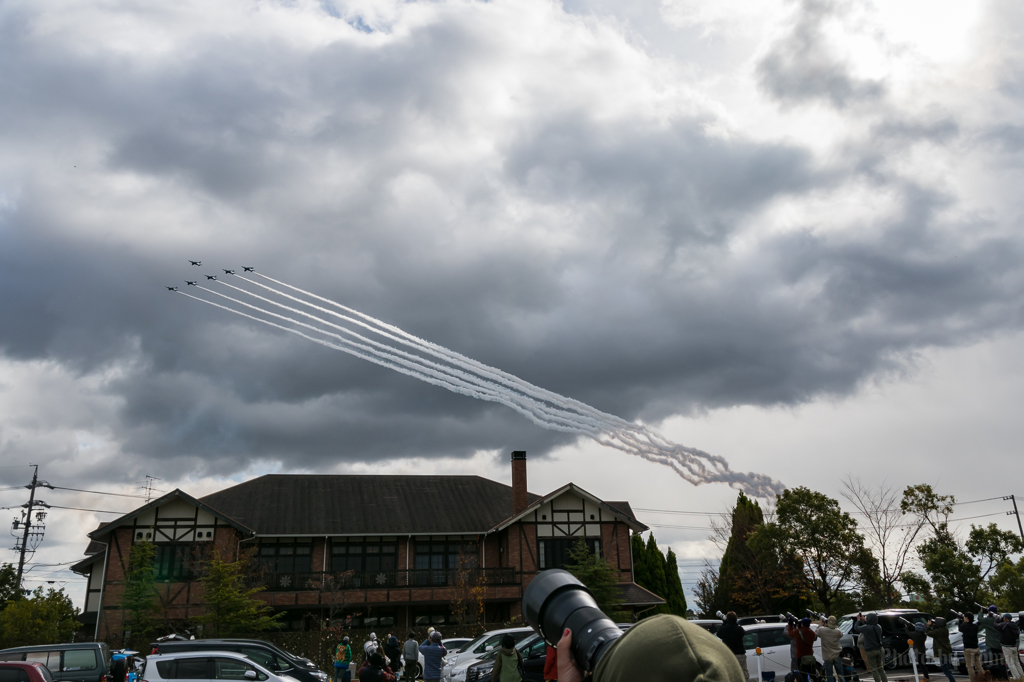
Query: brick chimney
519, 498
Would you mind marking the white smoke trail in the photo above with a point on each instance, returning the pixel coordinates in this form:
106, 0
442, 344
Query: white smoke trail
383, 362
453, 375
466, 376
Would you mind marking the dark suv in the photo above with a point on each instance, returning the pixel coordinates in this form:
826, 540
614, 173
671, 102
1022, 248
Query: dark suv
266, 654
894, 634
80, 662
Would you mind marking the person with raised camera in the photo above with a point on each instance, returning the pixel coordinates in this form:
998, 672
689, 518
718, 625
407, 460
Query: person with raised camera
972, 650
831, 650
1009, 633
942, 649
731, 633
870, 641
987, 626
803, 637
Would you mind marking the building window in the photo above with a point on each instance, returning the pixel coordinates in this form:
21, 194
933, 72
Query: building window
364, 554
554, 553
437, 559
176, 562
424, 616
286, 562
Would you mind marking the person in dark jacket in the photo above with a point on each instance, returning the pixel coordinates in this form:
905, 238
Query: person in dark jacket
941, 648
803, 638
374, 670
731, 633
972, 651
869, 639
1009, 638
393, 650
920, 637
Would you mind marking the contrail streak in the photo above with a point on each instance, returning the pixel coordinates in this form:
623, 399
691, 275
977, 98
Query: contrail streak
463, 375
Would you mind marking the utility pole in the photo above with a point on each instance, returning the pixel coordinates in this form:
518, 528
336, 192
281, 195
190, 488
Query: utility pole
1016, 513
28, 524
22, 547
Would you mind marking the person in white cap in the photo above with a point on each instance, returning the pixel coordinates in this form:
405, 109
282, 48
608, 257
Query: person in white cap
371, 645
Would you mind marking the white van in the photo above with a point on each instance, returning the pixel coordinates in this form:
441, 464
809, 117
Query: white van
204, 666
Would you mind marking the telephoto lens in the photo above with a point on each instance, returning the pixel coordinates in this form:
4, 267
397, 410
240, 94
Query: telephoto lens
555, 601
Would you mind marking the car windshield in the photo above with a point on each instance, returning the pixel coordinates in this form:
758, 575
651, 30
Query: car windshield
845, 625
521, 646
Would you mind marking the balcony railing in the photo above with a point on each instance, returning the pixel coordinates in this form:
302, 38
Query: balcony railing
350, 580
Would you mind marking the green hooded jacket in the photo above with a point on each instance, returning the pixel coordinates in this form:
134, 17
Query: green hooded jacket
987, 625
668, 649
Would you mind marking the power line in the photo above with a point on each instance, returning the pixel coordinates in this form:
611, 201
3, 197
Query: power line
99, 492
98, 511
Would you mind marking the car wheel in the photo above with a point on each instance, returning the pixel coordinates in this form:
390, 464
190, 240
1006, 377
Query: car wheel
417, 670
892, 659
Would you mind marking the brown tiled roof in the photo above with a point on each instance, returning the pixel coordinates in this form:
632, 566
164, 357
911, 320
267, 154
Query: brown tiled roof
632, 594
622, 507
302, 504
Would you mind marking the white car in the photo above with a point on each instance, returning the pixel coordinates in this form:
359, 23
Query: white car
204, 666
774, 644
454, 645
455, 669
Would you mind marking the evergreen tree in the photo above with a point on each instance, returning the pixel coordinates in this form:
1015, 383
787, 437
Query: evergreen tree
731, 592
140, 595
599, 577
231, 608
641, 567
656, 564
675, 596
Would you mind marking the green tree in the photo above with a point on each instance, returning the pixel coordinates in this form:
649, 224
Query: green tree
675, 596
8, 584
957, 572
641, 565
231, 607
812, 526
656, 564
1007, 584
42, 618
141, 599
599, 577
759, 574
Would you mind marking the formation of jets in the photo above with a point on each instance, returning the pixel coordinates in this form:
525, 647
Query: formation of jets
193, 283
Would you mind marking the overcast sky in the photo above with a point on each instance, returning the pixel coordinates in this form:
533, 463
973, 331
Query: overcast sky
787, 233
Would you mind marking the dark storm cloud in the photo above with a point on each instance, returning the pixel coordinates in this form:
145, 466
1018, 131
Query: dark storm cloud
801, 66
609, 258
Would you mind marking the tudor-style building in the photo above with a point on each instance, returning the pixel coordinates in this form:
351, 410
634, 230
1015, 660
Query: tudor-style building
395, 547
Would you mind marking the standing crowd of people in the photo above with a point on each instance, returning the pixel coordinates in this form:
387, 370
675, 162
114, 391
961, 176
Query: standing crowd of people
385, 660
998, 631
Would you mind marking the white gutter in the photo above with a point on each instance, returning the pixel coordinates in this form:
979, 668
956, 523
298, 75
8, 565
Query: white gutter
103, 584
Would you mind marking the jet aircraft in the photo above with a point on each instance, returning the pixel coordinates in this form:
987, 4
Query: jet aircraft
172, 288
211, 277
191, 284
228, 272
196, 262
245, 269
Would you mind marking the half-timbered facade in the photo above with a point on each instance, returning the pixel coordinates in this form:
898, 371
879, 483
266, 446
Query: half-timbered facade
374, 551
